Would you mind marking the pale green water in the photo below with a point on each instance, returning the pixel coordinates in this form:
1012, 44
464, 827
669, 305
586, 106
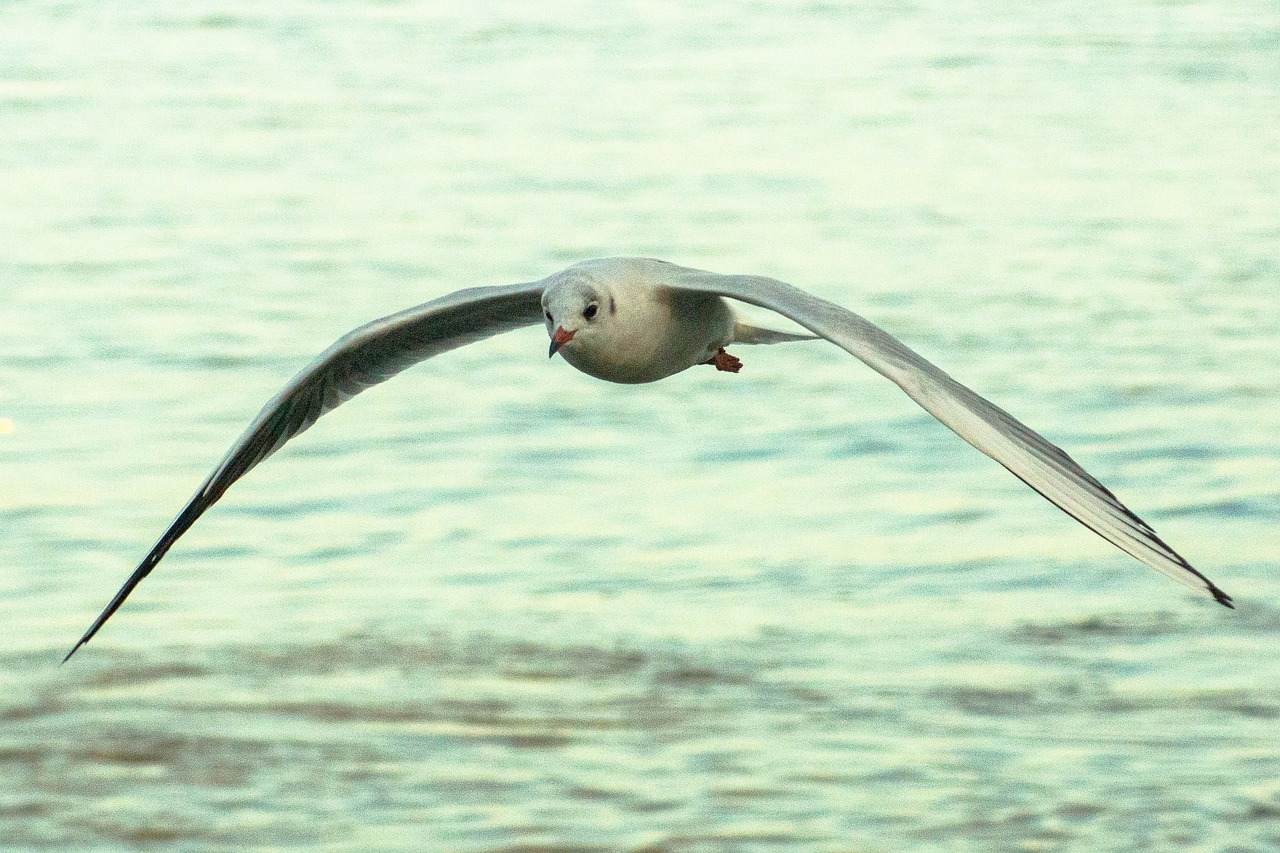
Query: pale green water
495, 605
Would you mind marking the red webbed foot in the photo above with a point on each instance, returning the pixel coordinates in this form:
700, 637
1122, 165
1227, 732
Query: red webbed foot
723, 361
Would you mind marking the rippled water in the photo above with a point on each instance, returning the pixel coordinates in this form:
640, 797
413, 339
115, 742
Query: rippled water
495, 605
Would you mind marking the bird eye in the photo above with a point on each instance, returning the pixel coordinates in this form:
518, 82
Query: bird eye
549, 320
590, 311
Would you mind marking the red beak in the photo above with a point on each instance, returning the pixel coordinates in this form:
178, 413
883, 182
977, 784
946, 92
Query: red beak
559, 339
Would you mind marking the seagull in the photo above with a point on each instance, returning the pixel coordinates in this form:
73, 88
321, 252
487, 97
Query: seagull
633, 320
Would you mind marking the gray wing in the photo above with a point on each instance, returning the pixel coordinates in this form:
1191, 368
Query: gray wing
361, 359
1038, 463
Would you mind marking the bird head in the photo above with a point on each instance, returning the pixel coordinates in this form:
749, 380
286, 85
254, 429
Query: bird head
574, 312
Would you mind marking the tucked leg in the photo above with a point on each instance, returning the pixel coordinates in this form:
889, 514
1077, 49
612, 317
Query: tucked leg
723, 361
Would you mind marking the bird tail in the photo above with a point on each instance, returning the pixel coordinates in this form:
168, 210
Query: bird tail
745, 333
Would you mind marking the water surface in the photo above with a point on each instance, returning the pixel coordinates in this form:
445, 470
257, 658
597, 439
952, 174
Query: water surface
496, 605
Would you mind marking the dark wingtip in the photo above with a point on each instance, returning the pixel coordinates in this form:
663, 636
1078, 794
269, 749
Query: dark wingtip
74, 649
1221, 597
88, 635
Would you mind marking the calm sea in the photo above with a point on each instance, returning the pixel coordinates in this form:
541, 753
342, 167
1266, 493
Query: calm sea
495, 605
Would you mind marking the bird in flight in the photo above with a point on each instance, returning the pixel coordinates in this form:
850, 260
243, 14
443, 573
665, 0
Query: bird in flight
633, 320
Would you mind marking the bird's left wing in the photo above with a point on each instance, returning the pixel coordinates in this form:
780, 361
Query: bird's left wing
360, 359
1040, 464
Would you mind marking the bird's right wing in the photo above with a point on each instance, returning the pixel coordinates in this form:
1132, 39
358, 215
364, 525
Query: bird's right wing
360, 359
